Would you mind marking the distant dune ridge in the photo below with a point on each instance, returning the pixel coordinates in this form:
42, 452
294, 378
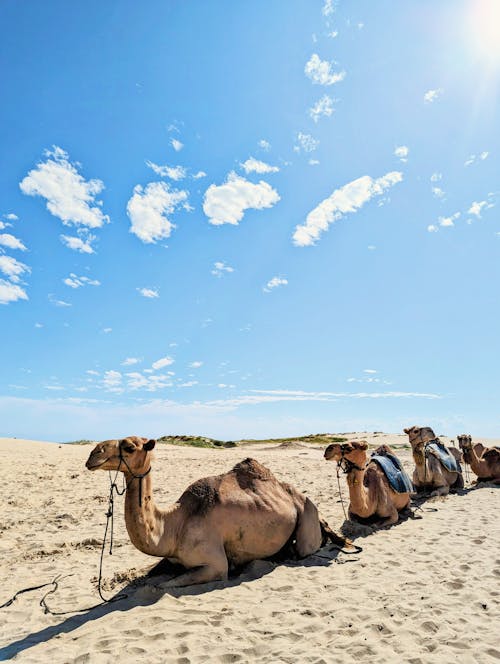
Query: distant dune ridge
424, 591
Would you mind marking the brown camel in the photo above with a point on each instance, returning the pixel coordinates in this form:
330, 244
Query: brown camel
484, 461
230, 519
370, 493
429, 473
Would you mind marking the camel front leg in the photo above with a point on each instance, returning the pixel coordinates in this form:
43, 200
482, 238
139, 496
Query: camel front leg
441, 491
202, 574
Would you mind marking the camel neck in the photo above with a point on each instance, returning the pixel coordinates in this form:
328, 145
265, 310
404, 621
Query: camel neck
151, 530
478, 465
358, 493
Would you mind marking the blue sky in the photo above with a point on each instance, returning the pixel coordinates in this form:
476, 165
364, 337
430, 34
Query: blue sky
249, 219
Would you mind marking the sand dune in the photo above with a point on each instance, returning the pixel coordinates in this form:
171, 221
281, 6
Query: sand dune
425, 591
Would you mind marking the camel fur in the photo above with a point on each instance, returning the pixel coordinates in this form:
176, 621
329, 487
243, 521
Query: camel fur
370, 493
429, 474
484, 461
218, 522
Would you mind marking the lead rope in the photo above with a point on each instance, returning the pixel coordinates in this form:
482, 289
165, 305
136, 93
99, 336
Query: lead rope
55, 582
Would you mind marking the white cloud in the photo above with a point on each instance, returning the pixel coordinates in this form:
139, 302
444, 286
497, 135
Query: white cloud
199, 174
148, 209
473, 158
438, 192
432, 228
482, 156
162, 362
38, 325
84, 245
370, 371
112, 381
11, 216
58, 303
73, 281
92, 372
322, 108
107, 330
148, 292
264, 145
177, 145
196, 365
129, 361
305, 142
8, 240
476, 208
226, 203
449, 221
13, 268
328, 8
436, 177
252, 165
274, 283
321, 72
333, 34
69, 196
402, 152
431, 95
172, 172
220, 267
313, 162
347, 199
10, 292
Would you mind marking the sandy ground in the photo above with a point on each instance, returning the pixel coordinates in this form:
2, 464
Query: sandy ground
427, 590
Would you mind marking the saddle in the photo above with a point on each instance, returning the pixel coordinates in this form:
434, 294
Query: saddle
393, 470
446, 459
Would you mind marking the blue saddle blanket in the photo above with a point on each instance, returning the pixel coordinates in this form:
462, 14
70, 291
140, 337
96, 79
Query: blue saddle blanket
447, 459
398, 479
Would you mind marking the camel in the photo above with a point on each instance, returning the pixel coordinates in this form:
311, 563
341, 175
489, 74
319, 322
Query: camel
370, 493
484, 461
429, 473
226, 520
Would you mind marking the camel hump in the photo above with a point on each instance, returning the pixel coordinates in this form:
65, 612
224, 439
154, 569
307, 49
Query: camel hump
252, 469
201, 496
492, 455
384, 449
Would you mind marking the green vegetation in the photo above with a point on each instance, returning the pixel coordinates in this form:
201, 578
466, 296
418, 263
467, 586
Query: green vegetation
315, 439
79, 442
197, 441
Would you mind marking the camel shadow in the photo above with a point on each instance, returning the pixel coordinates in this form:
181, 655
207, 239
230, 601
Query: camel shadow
148, 589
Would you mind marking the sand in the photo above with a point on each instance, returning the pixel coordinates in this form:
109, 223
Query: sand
426, 590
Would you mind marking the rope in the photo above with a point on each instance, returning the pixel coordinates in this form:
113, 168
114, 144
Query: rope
340, 493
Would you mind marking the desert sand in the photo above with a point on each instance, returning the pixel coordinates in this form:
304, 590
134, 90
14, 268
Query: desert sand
426, 590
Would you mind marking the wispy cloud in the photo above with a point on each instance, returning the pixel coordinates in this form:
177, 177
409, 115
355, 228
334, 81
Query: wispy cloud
321, 71
227, 203
172, 172
305, 142
329, 8
69, 196
129, 361
348, 199
274, 283
432, 95
322, 108
264, 145
221, 268
73, 281
196, 364
82, 244
148, 292
253, 165
58, 303
473, 158
177, 145
449, 221
162, 362
148, 209
13, 268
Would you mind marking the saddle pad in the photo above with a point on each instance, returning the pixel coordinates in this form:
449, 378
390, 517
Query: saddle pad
447, 459
398, 479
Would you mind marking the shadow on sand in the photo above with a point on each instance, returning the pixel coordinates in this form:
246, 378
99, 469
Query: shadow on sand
148, 589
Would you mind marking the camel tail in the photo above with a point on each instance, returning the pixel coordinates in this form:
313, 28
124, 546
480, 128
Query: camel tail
330, 535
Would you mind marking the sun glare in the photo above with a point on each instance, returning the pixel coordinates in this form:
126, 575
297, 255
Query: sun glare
483, 21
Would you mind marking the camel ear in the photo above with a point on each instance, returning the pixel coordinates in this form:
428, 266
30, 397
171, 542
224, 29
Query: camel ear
126, 445
407, 430
149, 445
362, 445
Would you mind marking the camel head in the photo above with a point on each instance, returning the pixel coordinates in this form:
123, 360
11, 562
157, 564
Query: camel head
131, 453
464, 442
355, 452
420, 435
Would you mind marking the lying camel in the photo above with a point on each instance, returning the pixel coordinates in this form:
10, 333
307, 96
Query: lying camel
429, 473
370, 493
484, 461
229, 519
